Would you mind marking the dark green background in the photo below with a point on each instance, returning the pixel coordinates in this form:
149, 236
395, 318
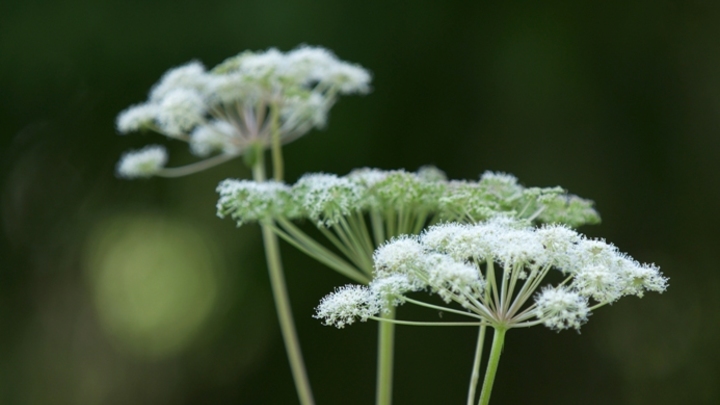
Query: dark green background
618, 101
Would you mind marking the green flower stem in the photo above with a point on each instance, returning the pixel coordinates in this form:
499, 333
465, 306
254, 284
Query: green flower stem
420, 221
423, 323
338, 244
357, 222
475, 376
324, 256
493, 361
386, 343
195, 167
378, 227
282, 302
277, 158
439, 308
491, 292
311, 247
390, 223
364, 251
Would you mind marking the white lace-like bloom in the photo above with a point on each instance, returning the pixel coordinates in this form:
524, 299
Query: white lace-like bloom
453, 280
217, 136
348, 78
500, 194
598, 282
181, 110
505, 179
393, 288
431, 173
460, 241
348, 304
367, 177
560, 308
400, 255
493, 269
591, 252
262, 65
402, 190
558, 239
191, 75
249, 201
520, 248
451, 238
137, 117
247, 100
319, 65
636, 278
142, 163
326, 197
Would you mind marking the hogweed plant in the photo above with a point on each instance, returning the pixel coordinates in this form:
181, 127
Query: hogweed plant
476, 244
361, 211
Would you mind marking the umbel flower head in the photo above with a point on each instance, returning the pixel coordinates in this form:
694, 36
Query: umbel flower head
419, 196
238, 105
495, 271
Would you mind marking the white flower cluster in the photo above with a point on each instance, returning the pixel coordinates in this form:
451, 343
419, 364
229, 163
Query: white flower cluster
232, 107
253, 201
142, 163
500, 192
326, 198
493, 268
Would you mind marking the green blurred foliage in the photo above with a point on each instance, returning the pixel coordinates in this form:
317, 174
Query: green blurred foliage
618, 101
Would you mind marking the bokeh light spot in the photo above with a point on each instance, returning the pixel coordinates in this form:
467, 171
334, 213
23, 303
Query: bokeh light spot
154, 280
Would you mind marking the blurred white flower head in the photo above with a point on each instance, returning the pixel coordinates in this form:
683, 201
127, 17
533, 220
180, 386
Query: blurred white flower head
142, 163
242, 102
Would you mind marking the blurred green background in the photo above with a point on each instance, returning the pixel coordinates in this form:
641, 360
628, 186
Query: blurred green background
117, 292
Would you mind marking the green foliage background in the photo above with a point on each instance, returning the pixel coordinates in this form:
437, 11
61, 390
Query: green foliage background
618, 101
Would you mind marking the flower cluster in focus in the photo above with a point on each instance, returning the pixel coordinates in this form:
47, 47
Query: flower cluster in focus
412, 197
493, 270
239, 103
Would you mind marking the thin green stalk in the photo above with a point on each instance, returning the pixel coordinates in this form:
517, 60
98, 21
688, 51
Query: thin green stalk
493, 361
492, 296
443, 309
341, 246
277, 159
195, 167
378, 227
325, 257
420, 220
475, 376
358, 222
386, 343
423, 323
401, 220
282, 302
390, 223
365, 252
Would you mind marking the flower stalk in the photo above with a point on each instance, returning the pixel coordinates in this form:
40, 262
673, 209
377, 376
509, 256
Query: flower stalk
386, 347
475, 375
282, 301
493, 361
